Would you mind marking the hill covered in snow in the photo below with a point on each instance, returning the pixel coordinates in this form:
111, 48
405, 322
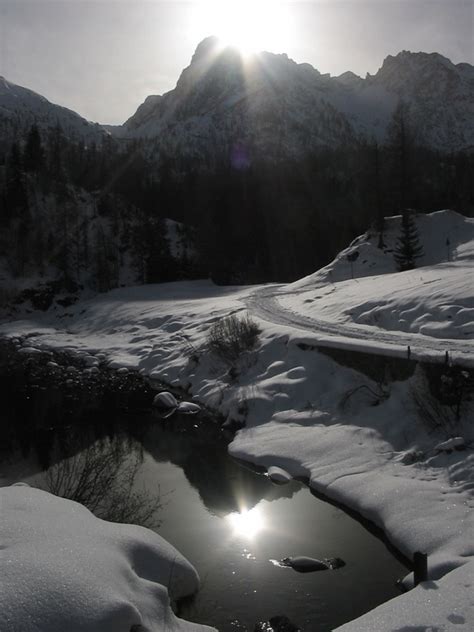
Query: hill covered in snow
444, 236
362, 289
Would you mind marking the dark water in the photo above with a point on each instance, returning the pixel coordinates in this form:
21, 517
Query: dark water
229, 521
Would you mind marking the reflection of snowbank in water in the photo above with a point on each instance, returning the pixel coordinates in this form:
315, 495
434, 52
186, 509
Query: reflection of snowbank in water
67, 570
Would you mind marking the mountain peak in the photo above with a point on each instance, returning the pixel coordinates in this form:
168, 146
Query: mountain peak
409, 61
207, 47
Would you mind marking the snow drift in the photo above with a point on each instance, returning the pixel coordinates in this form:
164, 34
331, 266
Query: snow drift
64, 569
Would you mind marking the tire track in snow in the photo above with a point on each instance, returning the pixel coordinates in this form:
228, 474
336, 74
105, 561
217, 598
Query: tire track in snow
264, 304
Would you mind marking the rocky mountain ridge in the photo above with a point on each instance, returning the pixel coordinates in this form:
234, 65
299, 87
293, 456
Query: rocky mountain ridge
20, 108
272, 104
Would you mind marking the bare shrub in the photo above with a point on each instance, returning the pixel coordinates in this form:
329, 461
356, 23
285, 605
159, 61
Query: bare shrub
230, 337
102, 478
374, 395
441, 395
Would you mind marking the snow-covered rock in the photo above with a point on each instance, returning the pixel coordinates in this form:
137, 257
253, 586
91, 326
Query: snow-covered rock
278, 475
188, 408
304, 564
165, 401
451, 444
64, 569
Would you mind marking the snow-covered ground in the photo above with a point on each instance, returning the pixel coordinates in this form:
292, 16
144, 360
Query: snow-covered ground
358, 440
64, 569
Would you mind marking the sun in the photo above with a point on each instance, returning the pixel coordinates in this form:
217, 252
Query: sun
249, 25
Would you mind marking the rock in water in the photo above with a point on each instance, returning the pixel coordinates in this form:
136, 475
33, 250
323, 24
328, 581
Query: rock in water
188, 408
278, 475
334, 562
165, 401
304, 564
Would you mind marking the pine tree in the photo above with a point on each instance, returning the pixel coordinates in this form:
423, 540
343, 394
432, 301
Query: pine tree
408, 248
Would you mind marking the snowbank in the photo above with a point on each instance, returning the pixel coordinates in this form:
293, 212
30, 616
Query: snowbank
443, 606
64, 569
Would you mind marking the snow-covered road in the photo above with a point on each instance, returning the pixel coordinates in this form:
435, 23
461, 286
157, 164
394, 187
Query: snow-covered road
264, 303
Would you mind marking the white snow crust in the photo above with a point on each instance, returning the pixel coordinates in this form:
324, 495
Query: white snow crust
63, 569
357, 439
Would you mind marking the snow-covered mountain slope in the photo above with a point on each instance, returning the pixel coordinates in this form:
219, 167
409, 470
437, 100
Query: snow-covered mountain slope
20, 108
272, 104
269, 105
438, 93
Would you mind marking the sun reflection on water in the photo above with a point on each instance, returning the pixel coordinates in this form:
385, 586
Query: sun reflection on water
247, 524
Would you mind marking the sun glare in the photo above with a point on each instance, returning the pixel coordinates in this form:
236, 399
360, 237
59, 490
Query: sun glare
249, 25
247, 523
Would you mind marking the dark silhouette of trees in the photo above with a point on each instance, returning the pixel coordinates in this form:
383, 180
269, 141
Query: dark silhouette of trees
90, 211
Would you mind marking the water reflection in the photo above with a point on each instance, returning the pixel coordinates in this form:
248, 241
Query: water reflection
224, 486
102, 477
247, 524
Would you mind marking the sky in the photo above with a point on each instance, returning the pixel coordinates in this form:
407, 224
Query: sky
102, 58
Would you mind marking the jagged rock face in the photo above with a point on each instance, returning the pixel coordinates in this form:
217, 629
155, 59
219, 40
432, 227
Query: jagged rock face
440, 95
273, 106
20, 108
267, 105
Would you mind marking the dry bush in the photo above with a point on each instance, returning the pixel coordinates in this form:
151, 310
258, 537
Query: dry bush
230, 337
374, 396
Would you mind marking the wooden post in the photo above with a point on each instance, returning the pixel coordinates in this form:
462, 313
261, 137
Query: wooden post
408, 352
446, 358
420, 567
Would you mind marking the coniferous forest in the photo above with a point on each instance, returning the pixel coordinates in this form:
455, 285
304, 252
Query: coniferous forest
98, 216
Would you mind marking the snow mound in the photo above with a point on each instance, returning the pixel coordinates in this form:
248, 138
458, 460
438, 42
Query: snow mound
64, 569
445, 236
